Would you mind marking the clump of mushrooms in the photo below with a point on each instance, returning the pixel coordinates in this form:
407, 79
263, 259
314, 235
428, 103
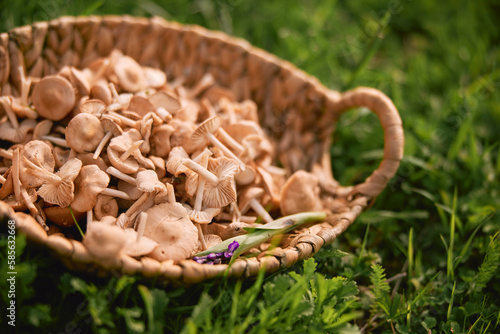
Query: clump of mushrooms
158, 169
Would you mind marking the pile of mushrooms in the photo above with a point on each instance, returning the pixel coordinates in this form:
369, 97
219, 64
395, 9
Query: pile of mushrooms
147, 166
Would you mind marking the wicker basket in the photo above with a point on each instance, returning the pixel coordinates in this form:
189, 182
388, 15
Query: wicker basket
296, 110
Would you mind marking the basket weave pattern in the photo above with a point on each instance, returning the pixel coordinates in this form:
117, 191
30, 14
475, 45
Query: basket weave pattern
296, 110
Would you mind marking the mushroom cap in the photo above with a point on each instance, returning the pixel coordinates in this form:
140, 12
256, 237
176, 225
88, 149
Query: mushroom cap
198, 138
174, 161
300, 194
140, 247
53, 97
183, 131
105, 206
100, 91
140, 105
90, 183
42, 128
217, 196
93, 106
212, 240
84, 132
204, 216
110, 124
105, 241
147, 181
154, 77
170, 102
169, 225
62, 216
62, 193
238, 131
129, 73
7, 132
128, 166
41, 155
247, 195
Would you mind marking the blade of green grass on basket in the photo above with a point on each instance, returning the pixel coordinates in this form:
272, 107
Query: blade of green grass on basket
258, 235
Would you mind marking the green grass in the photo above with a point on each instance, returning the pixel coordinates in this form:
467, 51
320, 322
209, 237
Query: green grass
424, 258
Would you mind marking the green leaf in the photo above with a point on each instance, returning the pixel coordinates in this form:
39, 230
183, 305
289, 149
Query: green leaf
428, 323
132, 318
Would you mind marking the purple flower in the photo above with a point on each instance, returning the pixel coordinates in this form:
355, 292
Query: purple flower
228, 254
232, 246
212, 256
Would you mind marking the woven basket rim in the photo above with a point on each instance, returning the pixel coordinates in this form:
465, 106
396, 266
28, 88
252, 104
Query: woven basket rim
16, 47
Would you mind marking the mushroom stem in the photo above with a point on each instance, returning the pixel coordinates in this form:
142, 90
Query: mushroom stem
131, 150
5, 101
56, 140
121, 175
141, 225
124, 120
257, 207
171, 193
202, 171
41, 172
2, 179
201, 237
33, 209
115, 193
142, 204
231, 142
164, 114
25, 86
101, 145
6, 154
90, 218
235, 212
216, 142
15, 175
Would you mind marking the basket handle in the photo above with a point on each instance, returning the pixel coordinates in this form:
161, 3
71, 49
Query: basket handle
390, 120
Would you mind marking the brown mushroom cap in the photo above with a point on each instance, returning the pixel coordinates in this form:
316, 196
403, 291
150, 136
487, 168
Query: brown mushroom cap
136, 248
62, 216
93, 106
129, 73
16, 135
40, 154
105, 241
105, 206
169, 225
91, 182
198, 139
84, 132
247, 195
300, 194
62, 193
53, 97
217, 196
164, 100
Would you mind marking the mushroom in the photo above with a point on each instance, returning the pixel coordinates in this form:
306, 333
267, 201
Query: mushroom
138, 244
105, 242
147, 182
60, 189
111, 129
154, 77
165, 105
169, 225
129, 74
205, 132
16, 135
248, 199
105, 206
42, 132
93, 106
40, 154
62, 216
300, 194
91, 182
219, 189
20, 192
84, 133
53, 97
20, 104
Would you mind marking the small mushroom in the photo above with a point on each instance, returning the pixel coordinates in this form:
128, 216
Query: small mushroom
91, 182
219, 190
40, 154
93, 106
62, 216
106, 243
111, 129
61, 192
300, 194
169, 225
129, 73
84, 133
138, 244
205, 132
248, 199
53, 97
16, 135
105, 206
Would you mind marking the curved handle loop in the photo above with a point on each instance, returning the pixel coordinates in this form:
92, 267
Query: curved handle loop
392, 125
